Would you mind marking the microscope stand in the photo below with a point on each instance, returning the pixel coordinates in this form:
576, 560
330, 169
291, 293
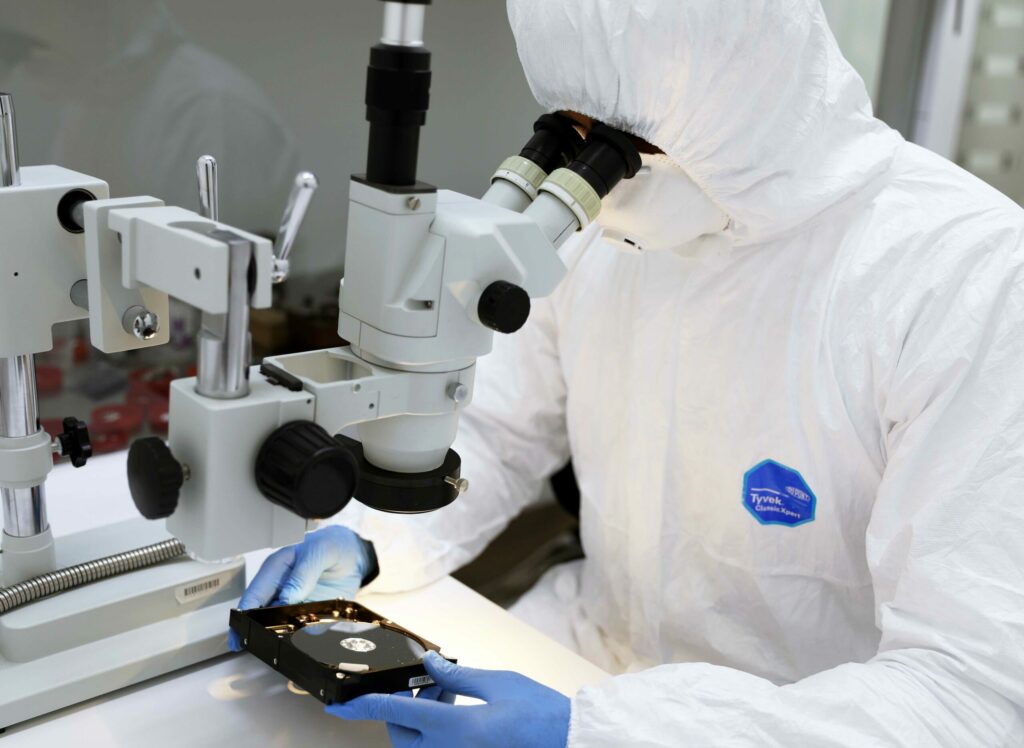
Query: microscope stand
117, 632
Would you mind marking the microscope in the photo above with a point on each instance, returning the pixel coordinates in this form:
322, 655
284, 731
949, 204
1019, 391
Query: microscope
257, 455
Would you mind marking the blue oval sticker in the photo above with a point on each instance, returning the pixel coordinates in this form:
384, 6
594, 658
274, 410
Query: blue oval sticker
777, 495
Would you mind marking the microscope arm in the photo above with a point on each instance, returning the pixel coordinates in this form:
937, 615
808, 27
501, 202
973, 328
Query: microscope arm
139, 252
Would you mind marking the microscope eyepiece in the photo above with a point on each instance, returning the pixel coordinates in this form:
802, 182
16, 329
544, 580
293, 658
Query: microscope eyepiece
609, 157
397, 100
555, 143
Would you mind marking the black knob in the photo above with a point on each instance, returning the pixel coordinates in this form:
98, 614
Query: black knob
74, 442
302, 468
504, 307
154, 477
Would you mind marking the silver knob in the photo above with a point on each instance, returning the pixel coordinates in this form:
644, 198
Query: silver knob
301, 196
459, 484
459, 393
209, 191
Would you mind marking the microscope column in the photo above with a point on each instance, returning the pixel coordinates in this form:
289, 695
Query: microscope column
27, 540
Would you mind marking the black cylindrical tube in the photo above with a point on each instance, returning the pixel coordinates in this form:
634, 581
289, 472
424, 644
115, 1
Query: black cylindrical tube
555, 143
397, 101
609, 157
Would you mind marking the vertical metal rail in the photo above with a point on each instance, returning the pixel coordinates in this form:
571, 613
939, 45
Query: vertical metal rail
224, 341
24, 509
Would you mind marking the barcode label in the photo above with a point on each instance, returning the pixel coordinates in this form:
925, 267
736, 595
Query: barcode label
420, 681
198, 590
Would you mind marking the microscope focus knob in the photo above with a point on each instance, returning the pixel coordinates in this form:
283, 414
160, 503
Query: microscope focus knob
154, 477
304, 469
504, 307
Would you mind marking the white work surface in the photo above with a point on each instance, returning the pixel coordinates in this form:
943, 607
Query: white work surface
236, 699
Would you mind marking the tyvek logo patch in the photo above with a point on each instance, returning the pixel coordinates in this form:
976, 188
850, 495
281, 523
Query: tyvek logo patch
778, 495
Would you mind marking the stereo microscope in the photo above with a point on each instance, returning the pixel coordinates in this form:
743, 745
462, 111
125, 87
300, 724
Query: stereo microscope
256, 455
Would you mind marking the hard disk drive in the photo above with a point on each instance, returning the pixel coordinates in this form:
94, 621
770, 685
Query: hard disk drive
336, 650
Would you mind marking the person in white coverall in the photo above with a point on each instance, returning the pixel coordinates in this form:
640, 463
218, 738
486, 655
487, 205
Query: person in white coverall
797, 416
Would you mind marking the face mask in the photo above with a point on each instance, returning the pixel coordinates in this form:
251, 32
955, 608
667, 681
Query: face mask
659, 209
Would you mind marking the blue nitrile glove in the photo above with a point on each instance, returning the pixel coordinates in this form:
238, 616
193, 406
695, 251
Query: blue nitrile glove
330, 563
519, 713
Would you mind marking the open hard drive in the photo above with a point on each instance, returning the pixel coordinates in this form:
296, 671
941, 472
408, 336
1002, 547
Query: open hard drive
336, 650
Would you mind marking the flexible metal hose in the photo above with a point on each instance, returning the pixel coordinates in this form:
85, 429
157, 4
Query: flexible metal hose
71, 577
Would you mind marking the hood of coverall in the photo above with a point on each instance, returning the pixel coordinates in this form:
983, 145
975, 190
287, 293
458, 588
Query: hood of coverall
752, 98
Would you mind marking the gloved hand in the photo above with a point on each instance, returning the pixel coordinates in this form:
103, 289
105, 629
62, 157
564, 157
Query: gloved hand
330, 563
519, 713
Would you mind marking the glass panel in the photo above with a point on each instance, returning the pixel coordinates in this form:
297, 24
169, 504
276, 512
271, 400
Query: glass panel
860, 29
992, 138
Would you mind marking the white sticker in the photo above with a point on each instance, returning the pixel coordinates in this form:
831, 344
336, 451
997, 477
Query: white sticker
988, 161
995, 113
1007, 17
204, 588
421, 680
1002, 65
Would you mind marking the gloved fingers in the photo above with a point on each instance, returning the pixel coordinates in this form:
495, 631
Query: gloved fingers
436, 693
234, 641
305, 573
268, 579
328, 588
403, 737
414, 714
479, 684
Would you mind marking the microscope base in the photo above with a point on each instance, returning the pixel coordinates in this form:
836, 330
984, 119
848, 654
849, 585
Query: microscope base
110, 634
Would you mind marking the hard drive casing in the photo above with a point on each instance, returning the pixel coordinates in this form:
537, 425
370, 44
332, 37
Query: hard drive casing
269, 634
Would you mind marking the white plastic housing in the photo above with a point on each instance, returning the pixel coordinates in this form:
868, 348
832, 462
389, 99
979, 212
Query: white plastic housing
40, 260
413, 277
140, 252
221, 513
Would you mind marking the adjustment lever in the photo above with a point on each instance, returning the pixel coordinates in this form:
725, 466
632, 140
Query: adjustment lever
303, 189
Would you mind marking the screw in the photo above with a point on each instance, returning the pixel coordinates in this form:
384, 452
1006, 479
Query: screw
458, 392
414, 203
280, 271
141, 323
459, 484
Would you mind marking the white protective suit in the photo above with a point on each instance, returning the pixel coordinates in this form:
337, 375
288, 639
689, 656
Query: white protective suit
800, 446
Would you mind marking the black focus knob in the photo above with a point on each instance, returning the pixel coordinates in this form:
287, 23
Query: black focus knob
74, 442
154, 477
303, 468
504, 307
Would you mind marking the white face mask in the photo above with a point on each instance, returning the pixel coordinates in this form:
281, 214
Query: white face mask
659, 209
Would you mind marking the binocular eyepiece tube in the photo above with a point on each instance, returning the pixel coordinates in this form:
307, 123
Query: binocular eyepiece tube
559, 179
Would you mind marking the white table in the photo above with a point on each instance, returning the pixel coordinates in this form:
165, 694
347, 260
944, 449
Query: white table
236, 700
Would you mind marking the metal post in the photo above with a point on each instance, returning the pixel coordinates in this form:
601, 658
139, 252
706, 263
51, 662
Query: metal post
224, 343
10, 172
403, 24
24, 508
